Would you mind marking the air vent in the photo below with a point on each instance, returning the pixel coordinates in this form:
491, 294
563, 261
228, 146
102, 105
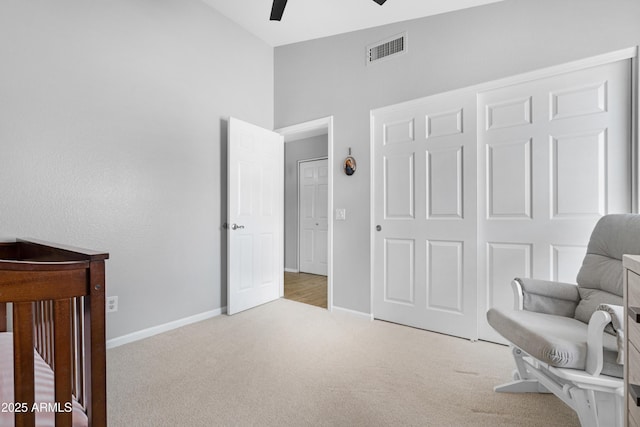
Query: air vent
389, 48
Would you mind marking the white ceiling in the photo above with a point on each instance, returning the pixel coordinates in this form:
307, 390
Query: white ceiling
312, 19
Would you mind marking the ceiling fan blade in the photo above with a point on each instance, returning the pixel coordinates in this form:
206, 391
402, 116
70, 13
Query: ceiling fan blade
278, 9
380, 2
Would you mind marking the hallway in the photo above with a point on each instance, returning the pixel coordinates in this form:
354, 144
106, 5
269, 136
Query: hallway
306, 288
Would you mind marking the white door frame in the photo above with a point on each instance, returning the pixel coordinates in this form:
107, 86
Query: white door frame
306, 130
632, 53
299, 210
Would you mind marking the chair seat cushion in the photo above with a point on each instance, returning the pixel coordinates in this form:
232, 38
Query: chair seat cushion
556, 340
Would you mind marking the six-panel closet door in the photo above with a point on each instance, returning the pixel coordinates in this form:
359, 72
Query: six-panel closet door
425, 215
554, 156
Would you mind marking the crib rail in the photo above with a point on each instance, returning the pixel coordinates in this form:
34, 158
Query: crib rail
57, 299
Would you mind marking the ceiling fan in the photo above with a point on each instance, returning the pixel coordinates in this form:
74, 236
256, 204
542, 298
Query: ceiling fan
278, 8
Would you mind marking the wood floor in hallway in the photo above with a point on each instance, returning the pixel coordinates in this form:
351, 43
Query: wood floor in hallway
306, 288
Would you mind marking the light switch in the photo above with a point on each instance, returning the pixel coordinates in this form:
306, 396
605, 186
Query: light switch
341, 214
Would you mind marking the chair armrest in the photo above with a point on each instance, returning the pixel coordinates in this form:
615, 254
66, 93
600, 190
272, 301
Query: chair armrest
616, 327
595, 354
617, 315
544, 296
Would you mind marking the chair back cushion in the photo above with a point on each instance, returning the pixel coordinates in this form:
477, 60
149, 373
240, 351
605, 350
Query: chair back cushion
600, 278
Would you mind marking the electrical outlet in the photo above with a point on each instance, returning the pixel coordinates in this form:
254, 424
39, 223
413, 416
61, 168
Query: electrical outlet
341, 214
112, 304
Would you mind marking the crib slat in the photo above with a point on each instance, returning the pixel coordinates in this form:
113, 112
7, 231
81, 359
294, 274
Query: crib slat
46, 336
41, 333
23, 376
3, 317
43, 329
36, 326
49, 334
78, 372
62, 361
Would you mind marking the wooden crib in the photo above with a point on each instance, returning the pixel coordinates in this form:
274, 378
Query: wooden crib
52, 335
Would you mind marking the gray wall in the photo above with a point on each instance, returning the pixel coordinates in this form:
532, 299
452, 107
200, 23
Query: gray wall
111, 121
302, 149
445, 52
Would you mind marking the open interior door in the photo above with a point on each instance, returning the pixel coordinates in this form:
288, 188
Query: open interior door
255, 216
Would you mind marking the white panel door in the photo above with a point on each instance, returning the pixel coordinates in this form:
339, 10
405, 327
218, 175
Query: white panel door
255, 190
424, 256
554, 156
313, 178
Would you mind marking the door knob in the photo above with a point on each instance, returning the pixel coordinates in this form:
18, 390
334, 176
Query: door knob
236, 226
378, 228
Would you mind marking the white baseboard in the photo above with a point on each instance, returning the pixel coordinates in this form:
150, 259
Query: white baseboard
155, 330
368, 316
292, 270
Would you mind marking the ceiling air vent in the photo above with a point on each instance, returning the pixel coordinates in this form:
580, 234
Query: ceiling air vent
393, 46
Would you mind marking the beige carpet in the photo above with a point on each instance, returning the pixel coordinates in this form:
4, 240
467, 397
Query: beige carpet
291, 364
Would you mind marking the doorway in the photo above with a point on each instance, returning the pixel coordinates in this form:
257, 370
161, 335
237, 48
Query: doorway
303, 142
306, 288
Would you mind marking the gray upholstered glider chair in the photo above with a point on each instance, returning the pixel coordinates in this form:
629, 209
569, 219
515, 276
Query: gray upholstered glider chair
567, 339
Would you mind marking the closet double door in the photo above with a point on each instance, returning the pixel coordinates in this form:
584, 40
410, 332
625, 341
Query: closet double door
475, 187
